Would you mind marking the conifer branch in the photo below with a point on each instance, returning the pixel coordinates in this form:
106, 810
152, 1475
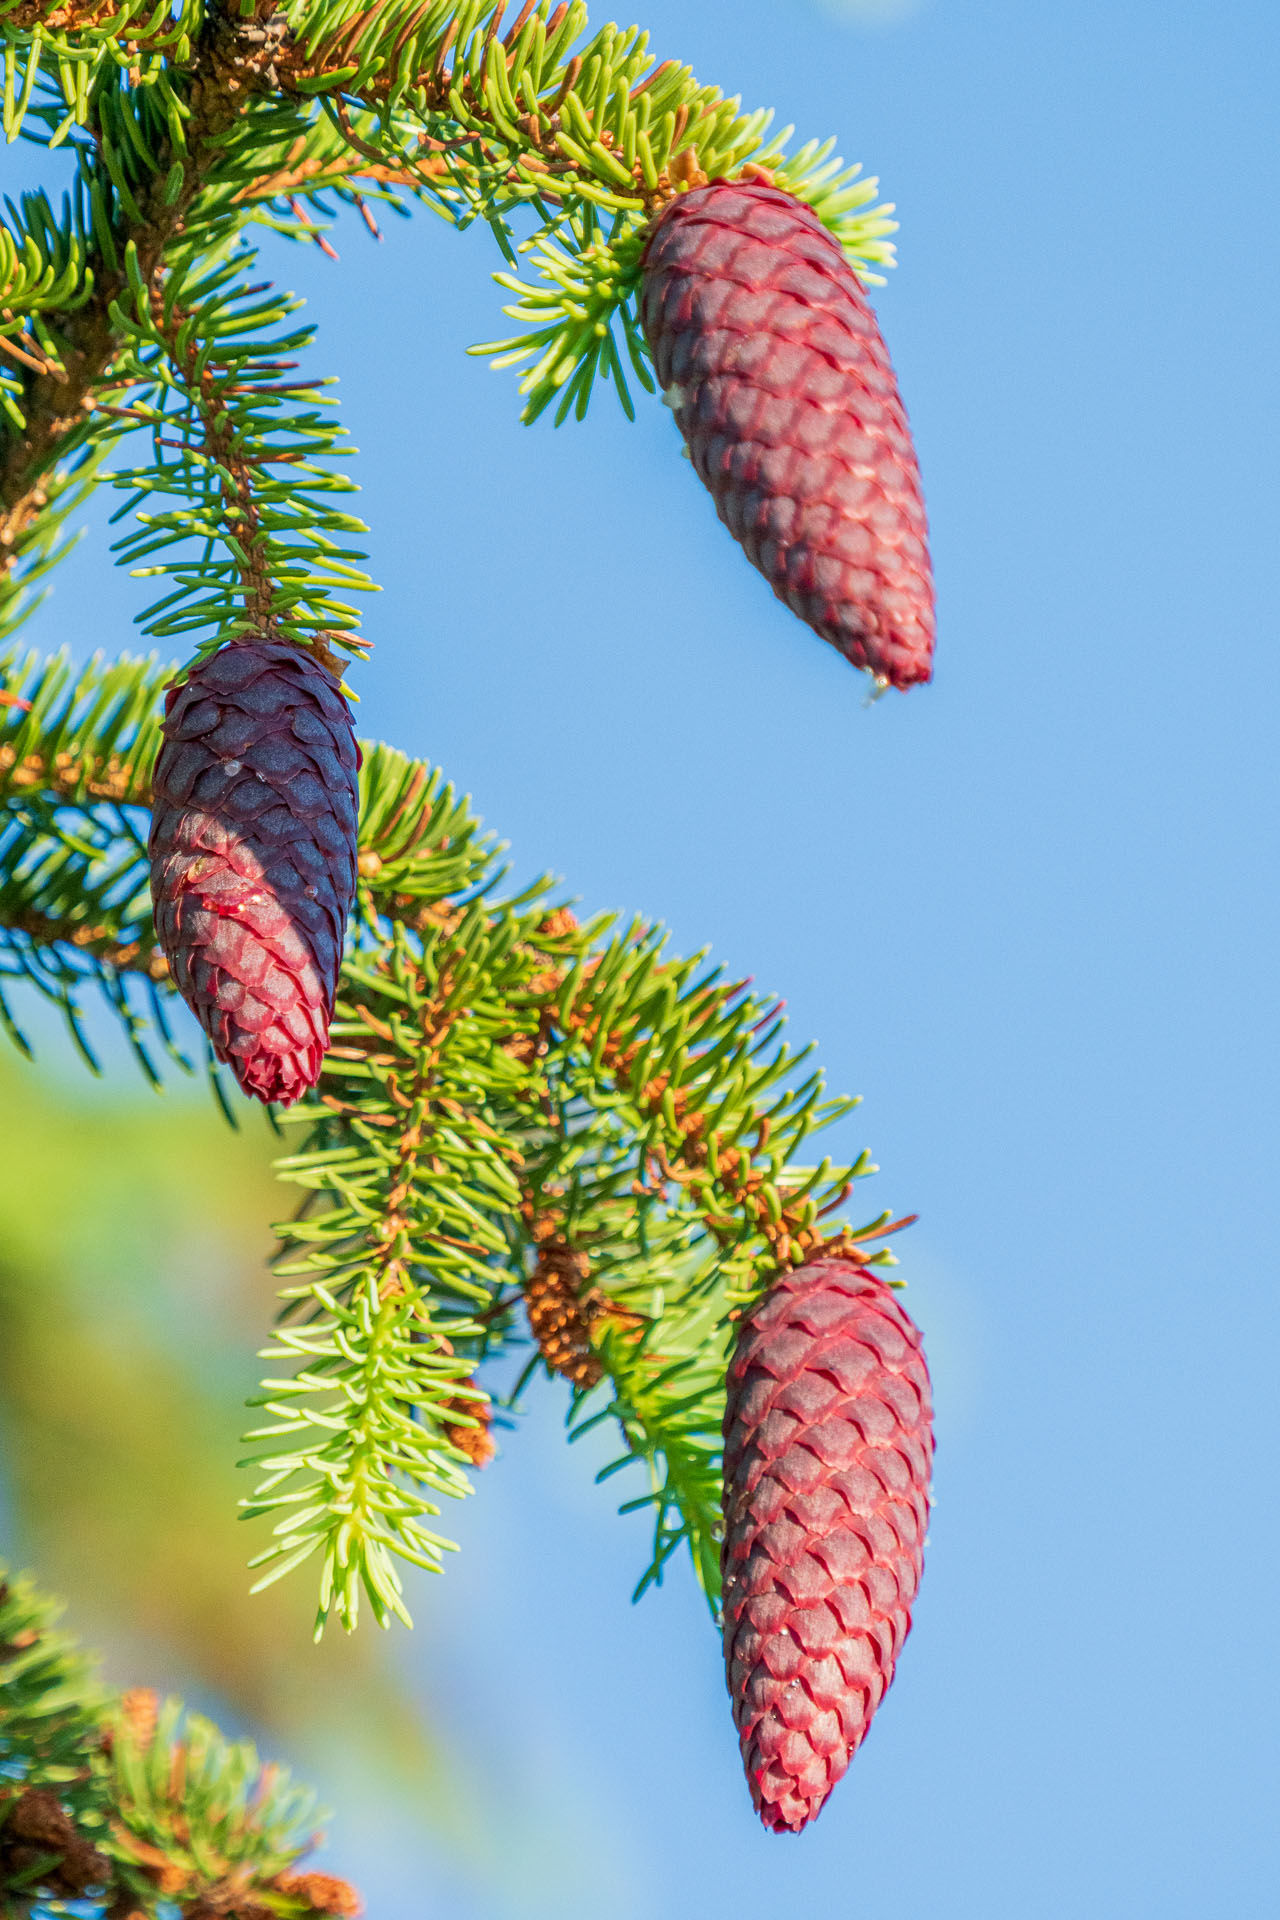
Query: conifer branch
515, 1104
131, 1808
191, 121
122, 204
416, 1176
75, 910
482, 119
665, 1183
244, 452
130, 298
587, 134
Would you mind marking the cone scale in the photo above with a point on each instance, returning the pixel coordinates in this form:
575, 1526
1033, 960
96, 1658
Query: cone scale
253, 856
769, 355
828, 1452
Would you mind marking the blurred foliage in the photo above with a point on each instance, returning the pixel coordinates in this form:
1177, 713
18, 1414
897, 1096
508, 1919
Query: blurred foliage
133, 1289
127, 1809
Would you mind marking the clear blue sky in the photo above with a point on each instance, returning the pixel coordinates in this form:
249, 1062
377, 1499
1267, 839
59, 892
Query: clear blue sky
1030, 913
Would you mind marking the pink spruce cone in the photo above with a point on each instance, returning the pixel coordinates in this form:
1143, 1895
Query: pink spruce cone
828, 1449
770, 358
253, 856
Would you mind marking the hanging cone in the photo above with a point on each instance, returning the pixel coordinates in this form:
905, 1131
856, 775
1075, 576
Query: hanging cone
827, 1455
770, 358
253, 856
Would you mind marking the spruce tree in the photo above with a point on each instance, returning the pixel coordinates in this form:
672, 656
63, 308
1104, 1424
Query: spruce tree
530, 1131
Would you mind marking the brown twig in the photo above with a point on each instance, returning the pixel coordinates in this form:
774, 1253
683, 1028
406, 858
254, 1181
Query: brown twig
236, 481
126, 956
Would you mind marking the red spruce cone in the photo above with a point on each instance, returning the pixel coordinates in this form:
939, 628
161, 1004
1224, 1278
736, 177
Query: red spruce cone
253, 856
771, 360
828, 1448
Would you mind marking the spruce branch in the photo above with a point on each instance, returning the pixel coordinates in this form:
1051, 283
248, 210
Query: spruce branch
530, 1137
77, 736
517, 1106
666, 1188
139, 174
125, 1806
583, 119
586, 133
360, 1446
413, 1178
246, 450
192, 121
75, 910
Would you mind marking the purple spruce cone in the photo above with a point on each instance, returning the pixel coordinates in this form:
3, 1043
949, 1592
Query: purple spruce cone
253, 856
828, 1447
771, 360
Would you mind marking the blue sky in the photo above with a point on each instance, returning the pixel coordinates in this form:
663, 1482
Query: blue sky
1029, 912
